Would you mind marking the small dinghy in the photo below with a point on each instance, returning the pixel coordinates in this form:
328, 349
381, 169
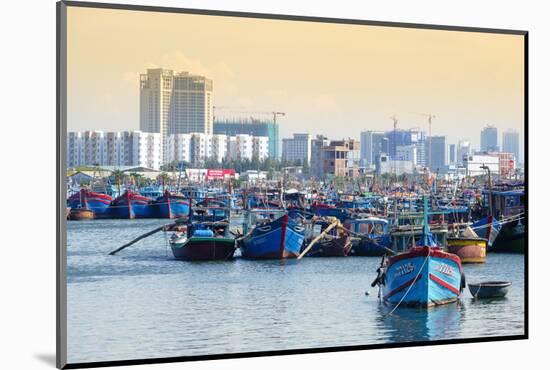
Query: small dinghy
489, 289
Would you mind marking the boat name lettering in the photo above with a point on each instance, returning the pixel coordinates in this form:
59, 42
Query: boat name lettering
404, 269
445, 269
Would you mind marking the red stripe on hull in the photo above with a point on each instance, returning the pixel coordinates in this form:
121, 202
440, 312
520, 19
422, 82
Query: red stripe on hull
444, 284
423, 252
403, 286
283, 235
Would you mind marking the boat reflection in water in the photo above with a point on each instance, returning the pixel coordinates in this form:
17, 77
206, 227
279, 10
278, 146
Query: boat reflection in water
418, 324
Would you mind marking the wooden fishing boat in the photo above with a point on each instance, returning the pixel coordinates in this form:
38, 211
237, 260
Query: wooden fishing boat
331, 246
203, 238
489, 289
77, 214
171, 205
131, 205
371, 236
335, 243
423, 276
86, 199
273, 239
470, 250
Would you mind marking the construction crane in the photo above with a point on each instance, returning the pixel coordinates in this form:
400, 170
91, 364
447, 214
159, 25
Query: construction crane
430, 118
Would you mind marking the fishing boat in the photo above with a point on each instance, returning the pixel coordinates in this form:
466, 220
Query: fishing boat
86, 200
77, 214
131, 205
170, 205
423, 276
336, 243
204, 238
468, 249
371, 236
272, 238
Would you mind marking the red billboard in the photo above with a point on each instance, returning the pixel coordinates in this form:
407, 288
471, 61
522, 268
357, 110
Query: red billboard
219, 174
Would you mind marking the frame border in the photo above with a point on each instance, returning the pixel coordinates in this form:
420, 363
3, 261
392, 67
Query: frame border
61, 225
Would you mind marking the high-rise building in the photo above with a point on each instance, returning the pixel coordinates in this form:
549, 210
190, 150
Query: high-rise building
510, 143
253, 127
317, 158
437, 153
372, 144
179, 148
297, 148
407, 153
463, 151
175, 103
489, 139
452, 153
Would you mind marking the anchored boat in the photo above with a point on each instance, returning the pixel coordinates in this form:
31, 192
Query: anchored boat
204, 238
273, 238
131, 205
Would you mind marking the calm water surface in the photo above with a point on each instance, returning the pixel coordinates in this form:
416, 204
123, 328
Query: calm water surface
141, 303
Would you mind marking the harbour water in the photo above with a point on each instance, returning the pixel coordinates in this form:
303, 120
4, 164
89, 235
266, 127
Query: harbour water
142, 303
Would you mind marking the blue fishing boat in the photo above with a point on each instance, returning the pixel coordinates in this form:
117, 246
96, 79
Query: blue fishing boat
423, 276
98, 203
131, 205
274, 238
371, 236
171, 205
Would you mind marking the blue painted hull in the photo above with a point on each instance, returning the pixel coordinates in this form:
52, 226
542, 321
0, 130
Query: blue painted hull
130, 206
423, 277
170, 206
98, 203
371, 246
488, 228
281, 238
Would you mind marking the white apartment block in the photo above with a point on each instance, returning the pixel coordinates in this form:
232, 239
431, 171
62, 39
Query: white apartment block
220, 147
260, 147
179, 147
244, 146
201, 147
128, 148
175, 103
297, 148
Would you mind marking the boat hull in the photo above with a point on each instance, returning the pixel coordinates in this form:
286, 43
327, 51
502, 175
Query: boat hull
170, 206
204, 249
470, 250
77, 214
423, 277
96, 202
130, 206
489, 289
511, 238
278, 239
336, 247
372, 246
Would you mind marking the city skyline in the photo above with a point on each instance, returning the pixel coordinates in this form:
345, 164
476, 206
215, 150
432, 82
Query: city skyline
333, 79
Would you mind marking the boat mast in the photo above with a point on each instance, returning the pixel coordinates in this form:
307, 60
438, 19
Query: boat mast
426, 228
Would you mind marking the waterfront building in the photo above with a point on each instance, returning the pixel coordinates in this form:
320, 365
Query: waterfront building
252, 127
489, 139
75, 149
463, 151
127, 148
297, 149
175, 103
260, 147
437, 153
407, 153
473, 164
317, 156
384, 164
452, 154
220, 147
510, 143
179, 148
340, 158
372, 144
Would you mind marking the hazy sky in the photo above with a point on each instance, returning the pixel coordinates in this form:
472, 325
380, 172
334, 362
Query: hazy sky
329, 78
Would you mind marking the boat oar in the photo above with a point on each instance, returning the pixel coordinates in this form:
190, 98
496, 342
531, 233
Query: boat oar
330, 227
143, 236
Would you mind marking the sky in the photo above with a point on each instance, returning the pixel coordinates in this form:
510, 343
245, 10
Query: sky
331, 79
